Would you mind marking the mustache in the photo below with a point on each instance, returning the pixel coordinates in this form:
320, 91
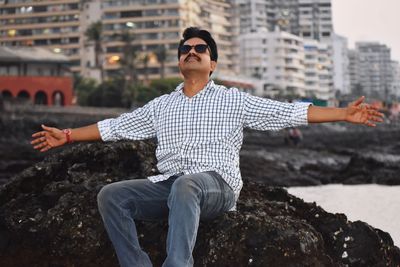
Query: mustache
192, 55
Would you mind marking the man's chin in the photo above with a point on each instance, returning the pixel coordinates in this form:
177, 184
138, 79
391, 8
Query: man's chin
193, 67
193, 70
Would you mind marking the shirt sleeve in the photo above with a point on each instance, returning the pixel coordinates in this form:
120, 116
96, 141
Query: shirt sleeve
266, 114
136, 125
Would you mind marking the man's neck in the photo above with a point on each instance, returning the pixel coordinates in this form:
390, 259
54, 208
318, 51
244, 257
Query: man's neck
191, 86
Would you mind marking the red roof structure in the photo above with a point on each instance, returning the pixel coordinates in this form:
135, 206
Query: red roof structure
35, 75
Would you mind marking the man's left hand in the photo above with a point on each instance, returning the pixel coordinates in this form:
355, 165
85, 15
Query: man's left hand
362, 113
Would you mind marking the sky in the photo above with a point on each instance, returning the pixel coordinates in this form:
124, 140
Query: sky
369, 20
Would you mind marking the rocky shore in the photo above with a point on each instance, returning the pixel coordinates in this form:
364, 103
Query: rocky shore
48, 213
48, 217
330, 153
17, 123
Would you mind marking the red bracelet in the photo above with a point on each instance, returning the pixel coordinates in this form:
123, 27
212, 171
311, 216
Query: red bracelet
68, 135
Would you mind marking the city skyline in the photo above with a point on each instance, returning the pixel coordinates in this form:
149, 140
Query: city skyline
371, 21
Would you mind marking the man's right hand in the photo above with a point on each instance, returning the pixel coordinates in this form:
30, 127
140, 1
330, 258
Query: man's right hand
48, 138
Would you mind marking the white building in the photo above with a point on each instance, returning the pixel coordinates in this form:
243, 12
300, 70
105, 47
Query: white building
354, 71
395, 83
341, 75
315, 23
315, 20
252, 15
374, 69
318, 65
276, 58
269, 14
309, 19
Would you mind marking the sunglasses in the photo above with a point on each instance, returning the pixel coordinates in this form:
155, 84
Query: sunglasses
199, 48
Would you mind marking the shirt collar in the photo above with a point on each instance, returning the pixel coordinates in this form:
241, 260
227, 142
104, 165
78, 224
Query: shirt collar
208, 86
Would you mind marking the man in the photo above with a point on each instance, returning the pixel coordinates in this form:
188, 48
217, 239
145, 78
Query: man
199, 129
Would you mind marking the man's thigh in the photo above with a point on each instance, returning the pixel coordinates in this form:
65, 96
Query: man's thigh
216, 195
144, 199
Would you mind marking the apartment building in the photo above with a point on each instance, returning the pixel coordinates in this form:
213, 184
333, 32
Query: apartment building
268, 14
354, 70
51, 24
395, 83
276, 58
375, 73
252, 15
310, 19
341, 75
315, 20
153, 25
318, 74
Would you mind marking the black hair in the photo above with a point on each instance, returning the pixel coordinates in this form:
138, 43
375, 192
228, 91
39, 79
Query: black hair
193, 32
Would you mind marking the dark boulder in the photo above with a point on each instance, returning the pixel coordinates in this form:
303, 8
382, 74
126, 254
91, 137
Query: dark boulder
49, 217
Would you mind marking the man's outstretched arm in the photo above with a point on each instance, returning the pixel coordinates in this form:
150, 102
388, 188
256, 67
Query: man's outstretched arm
357, 112
53, 137
135, 125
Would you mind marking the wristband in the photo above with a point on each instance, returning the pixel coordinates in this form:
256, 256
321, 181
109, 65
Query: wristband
67, 133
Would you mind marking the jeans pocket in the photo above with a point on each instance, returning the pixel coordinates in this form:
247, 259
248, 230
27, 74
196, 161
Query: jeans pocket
230, 199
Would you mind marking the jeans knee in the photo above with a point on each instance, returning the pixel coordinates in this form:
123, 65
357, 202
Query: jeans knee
105, 196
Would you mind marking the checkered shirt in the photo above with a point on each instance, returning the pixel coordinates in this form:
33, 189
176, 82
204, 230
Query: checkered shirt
204, 132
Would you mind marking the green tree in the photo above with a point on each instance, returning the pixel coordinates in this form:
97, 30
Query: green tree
161, 54
107, 94
165, 86
155, 89
146, 59
128, 66
145, 94
83, 87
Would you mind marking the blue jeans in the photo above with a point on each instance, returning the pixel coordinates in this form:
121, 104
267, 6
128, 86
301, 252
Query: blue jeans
184, 200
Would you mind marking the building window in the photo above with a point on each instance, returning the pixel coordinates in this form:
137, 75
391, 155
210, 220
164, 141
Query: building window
131, 14
41, 98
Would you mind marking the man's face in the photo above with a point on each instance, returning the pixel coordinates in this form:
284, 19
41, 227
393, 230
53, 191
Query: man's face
194, 61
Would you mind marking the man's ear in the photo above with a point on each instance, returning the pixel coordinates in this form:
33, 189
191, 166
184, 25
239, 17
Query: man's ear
213, 65
179, 65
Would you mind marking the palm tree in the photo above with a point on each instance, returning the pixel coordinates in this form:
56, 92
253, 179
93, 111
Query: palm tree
161, 54
129, 56
146, 59
128, 65
94, 34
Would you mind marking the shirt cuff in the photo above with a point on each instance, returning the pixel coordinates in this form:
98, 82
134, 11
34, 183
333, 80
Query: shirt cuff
300, 114
104, 127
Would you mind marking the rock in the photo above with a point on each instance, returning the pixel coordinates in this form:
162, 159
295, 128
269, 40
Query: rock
18, 123
49, 217
355, 155
371, 168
